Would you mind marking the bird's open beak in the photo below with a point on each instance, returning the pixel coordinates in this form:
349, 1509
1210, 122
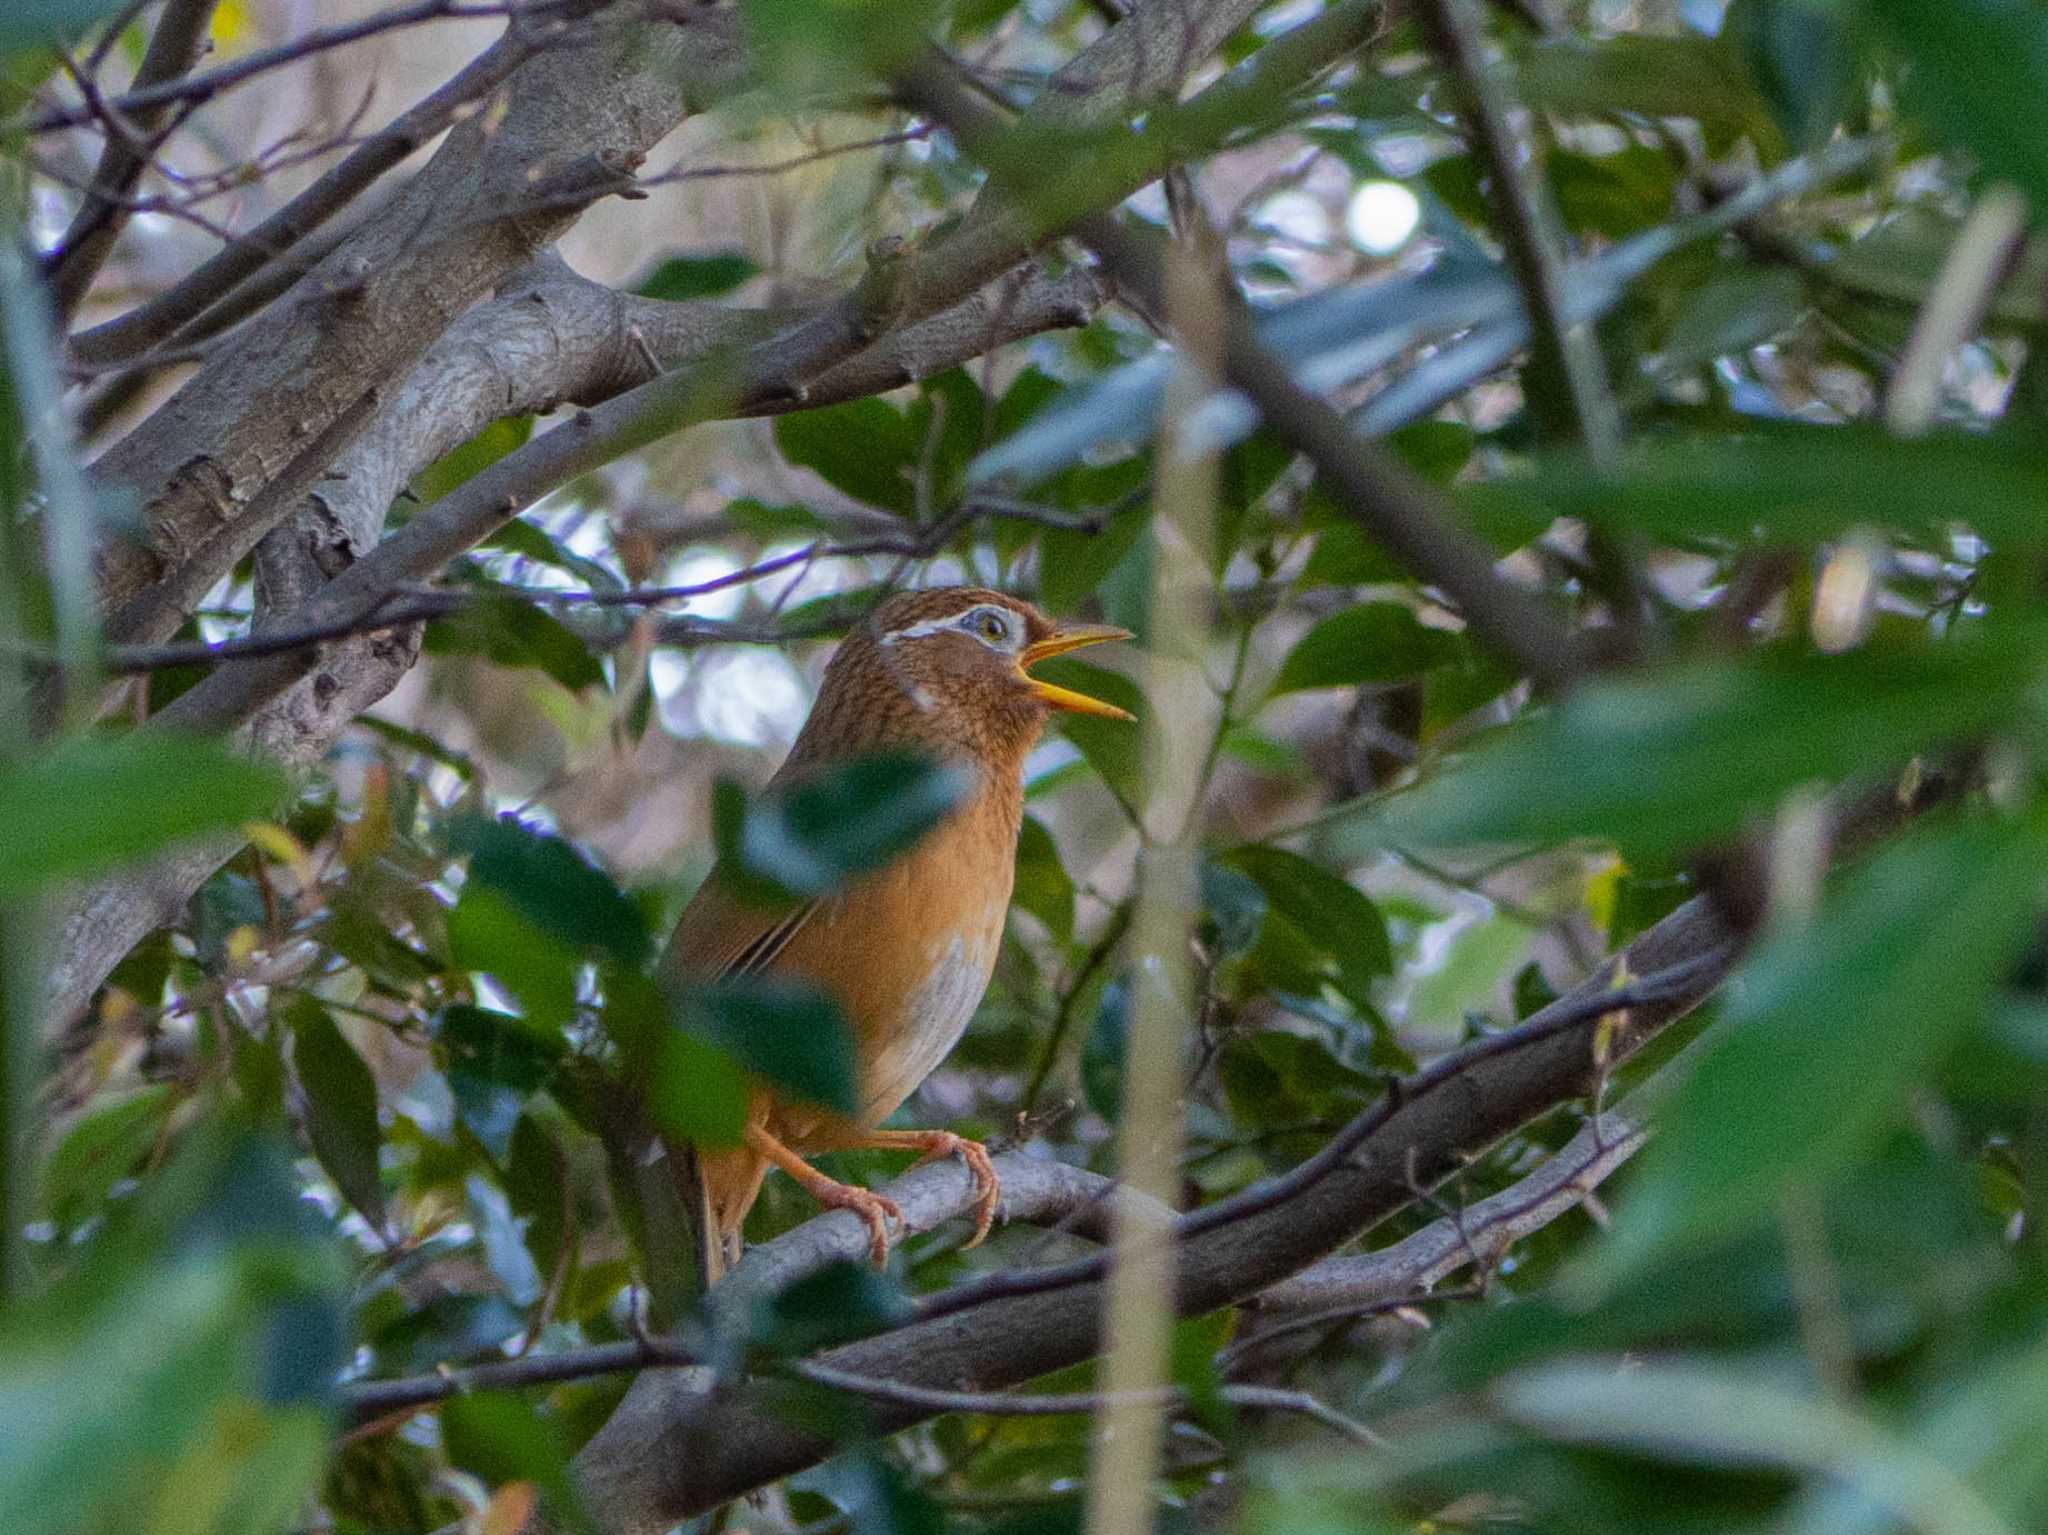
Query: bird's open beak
1058, 644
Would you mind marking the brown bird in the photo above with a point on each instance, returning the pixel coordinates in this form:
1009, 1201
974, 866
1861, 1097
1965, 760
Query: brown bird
907, 949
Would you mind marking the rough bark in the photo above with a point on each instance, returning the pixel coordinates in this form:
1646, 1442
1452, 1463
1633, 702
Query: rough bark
674, 1448
575, 124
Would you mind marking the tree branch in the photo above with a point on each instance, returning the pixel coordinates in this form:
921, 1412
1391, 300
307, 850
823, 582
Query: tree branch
575, 121
1394, 505
174, 47
187, 310
674, 1449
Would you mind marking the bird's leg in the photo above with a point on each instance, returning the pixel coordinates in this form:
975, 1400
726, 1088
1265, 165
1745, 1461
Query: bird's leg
934, 1144
876, 1209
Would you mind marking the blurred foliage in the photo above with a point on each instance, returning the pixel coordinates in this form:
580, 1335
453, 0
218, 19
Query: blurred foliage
347, 1116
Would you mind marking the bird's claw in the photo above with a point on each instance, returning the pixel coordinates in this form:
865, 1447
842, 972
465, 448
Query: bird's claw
877, 1210
988, 1187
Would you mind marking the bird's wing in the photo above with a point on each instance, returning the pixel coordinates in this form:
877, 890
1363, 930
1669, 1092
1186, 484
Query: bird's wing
718, 935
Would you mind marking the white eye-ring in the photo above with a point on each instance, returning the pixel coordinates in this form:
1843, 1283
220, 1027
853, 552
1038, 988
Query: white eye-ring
995, 627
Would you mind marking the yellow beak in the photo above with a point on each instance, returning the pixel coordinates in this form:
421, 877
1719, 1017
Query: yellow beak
1058, 644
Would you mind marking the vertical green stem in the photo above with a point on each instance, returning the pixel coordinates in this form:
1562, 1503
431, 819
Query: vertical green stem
1139, 1310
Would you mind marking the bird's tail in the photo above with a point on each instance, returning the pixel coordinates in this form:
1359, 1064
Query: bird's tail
728, 1181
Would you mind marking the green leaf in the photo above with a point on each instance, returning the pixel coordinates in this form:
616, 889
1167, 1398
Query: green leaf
698, 1091
495, 1064
1701, 1413
1733, 312
102, 1147
864, 448
537, 544
487, 932
511, 631
1335, 915
1834, 1022
688, 277
341, 1107
1374, 642
1687, 76
837, 1304
1277, 1079
1667, 762
804, 47
90, 805
807, 838
28, 24
497, 1436
1113, 747
1787, 483
549, 882
781, 1028
536, 1185
472, 458
1043, 887
1976, 73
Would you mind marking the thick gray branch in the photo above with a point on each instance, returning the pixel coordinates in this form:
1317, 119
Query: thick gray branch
576, 124
673, 1449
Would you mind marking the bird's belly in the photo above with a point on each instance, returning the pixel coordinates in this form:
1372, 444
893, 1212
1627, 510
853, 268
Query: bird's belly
935, 1015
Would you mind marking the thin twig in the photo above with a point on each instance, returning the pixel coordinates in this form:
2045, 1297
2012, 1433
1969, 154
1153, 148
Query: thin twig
397, 608
1396, 507
1678, 982
1050, 1405
1569, 378
182, 309
203, 87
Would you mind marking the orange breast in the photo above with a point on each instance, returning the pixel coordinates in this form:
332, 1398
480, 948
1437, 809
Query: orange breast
906, 951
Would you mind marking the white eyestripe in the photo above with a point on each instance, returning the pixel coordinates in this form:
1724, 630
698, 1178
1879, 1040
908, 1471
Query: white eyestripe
970, 622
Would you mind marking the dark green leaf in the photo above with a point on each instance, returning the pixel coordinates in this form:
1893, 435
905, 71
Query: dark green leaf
1102, 1052
839, 1303
1277, 1079
1043, 886
787, 1031
1975, 74
1235, 906
1374, 642
92, 804
688, 277
1835, 1019
536, 1183
1112, 747
1667, 762
510, 631
1803, 483
1335, 915
341, 1107
500, 1438
865, 448
551, 884
495, 1063
807, 838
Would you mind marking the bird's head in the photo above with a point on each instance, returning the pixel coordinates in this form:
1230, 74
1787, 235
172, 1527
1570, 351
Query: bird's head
951, 667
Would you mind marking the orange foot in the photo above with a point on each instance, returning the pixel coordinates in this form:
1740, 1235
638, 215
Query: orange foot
875, 1209
934, 1144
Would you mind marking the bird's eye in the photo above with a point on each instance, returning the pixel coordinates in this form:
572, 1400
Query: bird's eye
990, 626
